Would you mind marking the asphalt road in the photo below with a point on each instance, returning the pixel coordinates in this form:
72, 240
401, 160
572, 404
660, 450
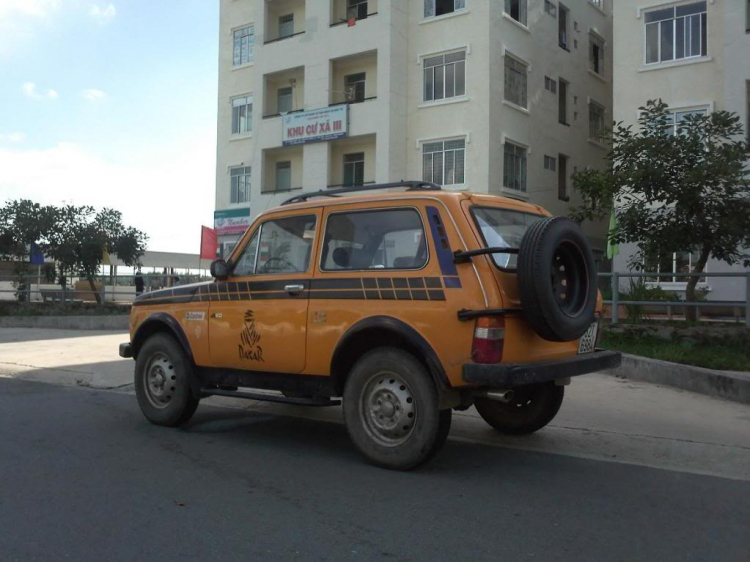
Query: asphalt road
83, 476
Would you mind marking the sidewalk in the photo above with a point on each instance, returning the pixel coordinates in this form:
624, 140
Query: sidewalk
602, 417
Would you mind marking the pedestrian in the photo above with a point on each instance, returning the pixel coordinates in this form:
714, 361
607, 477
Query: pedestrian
176, 281
138, 283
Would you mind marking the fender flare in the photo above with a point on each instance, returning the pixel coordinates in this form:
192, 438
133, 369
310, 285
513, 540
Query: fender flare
152, 324
398, 328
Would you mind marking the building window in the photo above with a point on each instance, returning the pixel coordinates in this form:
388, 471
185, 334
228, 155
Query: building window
286, 26
596, 54
550, 85
550, 163
240, 185
284, 99
676, 33
562, 178
562, 102
354, 87
677, 262
443, 162
283, 176
675, 119
514, 167
242, 115
562, 27
598, 3
354, 169
517, 10
434, 8
515, 81
356, 9
596, 122
550, 8
244, 45
445, 76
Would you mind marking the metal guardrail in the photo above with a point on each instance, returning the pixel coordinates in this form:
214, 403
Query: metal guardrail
110, 288
616, 301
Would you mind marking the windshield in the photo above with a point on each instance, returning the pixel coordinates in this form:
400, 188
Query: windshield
503, 228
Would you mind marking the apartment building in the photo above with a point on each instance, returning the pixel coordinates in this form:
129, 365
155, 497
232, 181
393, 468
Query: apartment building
505, 97
694, 55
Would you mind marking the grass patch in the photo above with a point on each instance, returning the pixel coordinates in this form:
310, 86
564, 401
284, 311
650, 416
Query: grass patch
60, 309
726, 356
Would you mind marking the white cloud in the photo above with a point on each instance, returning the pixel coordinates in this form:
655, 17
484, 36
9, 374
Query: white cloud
29, 89
12, 137
150, 189
102, 15
92, 94
38, 8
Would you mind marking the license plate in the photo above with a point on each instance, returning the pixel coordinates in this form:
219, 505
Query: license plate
587, 344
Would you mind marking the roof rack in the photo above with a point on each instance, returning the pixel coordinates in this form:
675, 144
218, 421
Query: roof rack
410, 185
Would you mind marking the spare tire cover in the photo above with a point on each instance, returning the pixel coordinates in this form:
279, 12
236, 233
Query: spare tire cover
557, 279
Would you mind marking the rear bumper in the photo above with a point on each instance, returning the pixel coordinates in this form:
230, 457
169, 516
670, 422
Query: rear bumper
511, 375
126, 350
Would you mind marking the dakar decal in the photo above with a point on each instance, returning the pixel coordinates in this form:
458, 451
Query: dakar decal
249, 347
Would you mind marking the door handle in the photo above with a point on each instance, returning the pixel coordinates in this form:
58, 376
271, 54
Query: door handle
294, 288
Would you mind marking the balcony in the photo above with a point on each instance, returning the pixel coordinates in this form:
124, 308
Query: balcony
284, 19
349, 12
352, 161
354, 79
284, 92
282, 169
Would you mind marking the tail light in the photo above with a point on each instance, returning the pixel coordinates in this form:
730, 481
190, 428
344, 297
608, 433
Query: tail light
489, 335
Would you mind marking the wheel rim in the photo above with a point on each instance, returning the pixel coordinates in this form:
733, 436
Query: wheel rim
388, 409
569, 279
161, 381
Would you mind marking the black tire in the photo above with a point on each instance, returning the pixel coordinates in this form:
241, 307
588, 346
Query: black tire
163, 373
531, 408
408, 428
557, 279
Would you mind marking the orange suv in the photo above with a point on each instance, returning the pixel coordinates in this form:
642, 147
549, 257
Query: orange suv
407, 304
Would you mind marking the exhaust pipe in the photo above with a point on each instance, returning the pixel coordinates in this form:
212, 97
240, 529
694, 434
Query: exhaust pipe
499, 395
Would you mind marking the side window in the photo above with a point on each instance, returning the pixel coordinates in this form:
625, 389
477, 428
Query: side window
279, 246
246, 263
386, 239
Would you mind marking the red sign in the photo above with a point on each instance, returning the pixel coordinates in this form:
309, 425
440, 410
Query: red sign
209, 244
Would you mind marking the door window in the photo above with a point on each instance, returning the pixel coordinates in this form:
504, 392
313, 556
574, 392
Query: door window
279, 246
385, 239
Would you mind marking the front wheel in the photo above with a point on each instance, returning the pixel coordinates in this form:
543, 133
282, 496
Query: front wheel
162, 382
391, 410
531, 408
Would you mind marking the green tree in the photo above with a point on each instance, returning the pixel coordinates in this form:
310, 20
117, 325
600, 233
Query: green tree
23, 223
81, 237
677, 188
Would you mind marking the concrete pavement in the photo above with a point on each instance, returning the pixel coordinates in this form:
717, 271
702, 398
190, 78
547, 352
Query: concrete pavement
602, 417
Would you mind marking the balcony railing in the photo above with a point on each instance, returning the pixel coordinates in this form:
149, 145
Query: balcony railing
282, 38
349, 102
341, 20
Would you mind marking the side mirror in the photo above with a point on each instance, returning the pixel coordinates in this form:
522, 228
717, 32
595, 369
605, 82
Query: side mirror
219, 270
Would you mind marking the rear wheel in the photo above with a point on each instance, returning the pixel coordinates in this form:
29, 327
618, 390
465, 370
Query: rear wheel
162, 382
391, 410
531, 408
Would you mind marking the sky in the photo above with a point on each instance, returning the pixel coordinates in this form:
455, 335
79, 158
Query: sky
113, 104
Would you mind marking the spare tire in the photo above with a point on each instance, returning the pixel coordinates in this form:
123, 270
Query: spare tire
557, 279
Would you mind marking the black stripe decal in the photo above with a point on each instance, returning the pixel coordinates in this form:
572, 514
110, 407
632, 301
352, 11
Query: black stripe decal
356, 295
351, 283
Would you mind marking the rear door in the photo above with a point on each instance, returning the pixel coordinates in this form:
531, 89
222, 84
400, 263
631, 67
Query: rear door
258, 317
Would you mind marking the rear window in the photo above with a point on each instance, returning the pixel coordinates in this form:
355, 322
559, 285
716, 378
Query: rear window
503, 228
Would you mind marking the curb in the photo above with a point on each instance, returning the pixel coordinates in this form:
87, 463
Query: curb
729, 385
116, 322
